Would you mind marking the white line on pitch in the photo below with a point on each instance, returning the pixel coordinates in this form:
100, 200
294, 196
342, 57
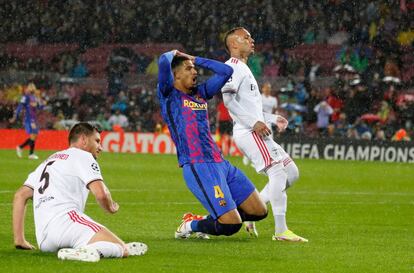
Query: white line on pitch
295, 192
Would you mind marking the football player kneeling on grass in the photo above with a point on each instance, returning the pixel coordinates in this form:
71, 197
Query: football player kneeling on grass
59, 188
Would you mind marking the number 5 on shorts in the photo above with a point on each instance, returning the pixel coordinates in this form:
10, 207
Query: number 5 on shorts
217, 192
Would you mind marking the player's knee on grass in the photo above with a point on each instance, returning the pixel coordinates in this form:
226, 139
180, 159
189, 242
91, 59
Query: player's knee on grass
214, 227
260, 214
227, 229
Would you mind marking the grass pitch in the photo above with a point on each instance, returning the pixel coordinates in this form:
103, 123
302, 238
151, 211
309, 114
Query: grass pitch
358, 217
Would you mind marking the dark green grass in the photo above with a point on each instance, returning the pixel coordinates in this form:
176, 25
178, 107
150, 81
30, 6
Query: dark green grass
358, 217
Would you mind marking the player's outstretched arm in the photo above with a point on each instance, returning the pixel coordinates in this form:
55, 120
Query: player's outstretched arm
19, 212
165, 76
103, 196
222, 73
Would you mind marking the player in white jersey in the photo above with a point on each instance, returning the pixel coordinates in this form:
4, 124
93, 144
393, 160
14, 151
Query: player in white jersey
269, 104
242, 97
59, 188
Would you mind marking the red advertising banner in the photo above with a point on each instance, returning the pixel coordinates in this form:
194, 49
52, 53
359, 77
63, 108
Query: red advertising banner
119, 142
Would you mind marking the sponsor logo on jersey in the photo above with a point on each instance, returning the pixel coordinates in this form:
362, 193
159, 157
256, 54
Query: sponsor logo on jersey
195, 105
222, 203
59, 156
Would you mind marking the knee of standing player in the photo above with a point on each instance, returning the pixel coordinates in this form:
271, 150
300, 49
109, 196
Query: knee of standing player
293, 175
228, 229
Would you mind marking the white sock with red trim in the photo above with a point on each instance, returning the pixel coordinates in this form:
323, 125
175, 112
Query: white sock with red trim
108, 249
277, 195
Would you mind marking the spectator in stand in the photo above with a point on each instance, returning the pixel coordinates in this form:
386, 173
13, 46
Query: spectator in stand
79, 70
121, 103
118, 119
336, 103
401, 135
323, 111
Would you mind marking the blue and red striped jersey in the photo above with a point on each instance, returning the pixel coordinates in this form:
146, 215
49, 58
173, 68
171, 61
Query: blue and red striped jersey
31, 105
186, 115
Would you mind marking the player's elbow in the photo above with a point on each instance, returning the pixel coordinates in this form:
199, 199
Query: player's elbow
22, 195
228, 70
228, 99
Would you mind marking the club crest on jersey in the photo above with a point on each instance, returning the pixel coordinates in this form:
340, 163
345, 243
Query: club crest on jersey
222, 203
195, 105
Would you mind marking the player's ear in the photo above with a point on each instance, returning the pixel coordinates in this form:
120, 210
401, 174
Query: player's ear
177, 74
84, 140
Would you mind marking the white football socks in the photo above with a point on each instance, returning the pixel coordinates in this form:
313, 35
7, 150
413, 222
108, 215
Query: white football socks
274, 191
108, 249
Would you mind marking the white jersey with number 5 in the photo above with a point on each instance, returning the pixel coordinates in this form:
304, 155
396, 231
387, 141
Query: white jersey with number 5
60, 185
243, 83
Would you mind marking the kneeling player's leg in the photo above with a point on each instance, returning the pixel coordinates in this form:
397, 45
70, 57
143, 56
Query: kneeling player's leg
208, 182
250, 206
227, 224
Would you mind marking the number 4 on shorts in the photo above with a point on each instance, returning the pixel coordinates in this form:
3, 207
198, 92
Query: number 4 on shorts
217, 192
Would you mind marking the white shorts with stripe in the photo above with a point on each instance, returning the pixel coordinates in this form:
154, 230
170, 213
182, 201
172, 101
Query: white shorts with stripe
262, 152
73, 229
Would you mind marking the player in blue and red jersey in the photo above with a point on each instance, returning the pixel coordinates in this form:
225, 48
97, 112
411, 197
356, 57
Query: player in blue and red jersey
31, 104
227, 194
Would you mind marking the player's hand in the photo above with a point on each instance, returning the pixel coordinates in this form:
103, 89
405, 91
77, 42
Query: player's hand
261, 129
114, 207
281, 123
185, 55
12, 120
25, 245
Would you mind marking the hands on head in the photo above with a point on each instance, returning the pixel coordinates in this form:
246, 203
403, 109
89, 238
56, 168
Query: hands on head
182, 54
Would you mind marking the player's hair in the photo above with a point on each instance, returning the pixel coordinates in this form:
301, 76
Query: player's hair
177, 61
226, 36
81, 128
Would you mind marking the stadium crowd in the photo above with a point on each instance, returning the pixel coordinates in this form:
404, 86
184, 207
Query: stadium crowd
374, 38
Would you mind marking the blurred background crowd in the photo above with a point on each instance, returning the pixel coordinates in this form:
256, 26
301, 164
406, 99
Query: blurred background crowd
338, 68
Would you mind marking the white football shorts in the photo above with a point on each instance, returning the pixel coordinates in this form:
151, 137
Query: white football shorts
73, 230
262, 152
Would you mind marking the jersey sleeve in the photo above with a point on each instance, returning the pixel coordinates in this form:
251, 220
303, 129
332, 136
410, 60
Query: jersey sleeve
23, 101
165, 76
87, 169
212, 86
233, 84
31, 180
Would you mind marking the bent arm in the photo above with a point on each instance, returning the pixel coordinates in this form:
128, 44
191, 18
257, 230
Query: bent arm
238, 112
19, 212
165, 76
222, 73
103, 196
